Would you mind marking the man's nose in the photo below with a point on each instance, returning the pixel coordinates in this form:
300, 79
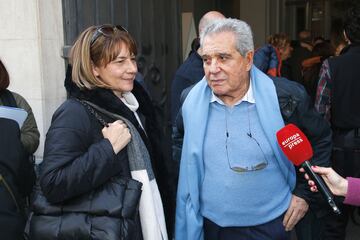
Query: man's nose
214, 66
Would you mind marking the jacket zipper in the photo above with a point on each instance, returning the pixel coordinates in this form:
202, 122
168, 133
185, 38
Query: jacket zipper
2, 179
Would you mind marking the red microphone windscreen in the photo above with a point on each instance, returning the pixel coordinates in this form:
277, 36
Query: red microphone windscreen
294, 144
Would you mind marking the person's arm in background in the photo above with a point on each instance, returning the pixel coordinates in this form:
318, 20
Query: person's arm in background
323, 91
319, 133
296, 108
29, 132
349, 188
29, 138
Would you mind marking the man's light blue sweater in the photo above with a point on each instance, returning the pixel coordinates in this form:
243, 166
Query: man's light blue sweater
229, 198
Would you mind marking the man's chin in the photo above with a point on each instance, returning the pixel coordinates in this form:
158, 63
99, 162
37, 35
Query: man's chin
217, 91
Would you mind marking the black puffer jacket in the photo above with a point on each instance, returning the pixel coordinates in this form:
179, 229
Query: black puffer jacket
80, 164
16, 180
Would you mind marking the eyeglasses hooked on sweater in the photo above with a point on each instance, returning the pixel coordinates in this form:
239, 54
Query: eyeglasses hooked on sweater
106, 30
255, 146
240, 169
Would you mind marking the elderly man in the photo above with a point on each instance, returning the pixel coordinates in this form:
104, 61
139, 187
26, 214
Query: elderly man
234, 181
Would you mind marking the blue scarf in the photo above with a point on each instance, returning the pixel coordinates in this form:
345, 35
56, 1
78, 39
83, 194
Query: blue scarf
189, 222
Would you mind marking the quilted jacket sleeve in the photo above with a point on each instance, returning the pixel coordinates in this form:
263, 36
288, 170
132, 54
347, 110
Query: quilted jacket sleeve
74, 162
29, 132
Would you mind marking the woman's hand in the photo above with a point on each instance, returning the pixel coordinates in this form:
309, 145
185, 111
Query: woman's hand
337, 184
118, 134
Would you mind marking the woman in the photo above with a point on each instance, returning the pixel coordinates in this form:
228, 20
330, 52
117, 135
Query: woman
281, 42
17, 175
29, 132
270, 57
348, 188
103, 135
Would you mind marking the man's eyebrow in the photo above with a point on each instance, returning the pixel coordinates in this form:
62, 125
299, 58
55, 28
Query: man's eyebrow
204, 55
217, 54
225, 54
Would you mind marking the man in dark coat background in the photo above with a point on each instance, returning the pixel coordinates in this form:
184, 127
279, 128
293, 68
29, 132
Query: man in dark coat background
191, 71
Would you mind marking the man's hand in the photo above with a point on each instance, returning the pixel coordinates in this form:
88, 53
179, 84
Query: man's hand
296, 211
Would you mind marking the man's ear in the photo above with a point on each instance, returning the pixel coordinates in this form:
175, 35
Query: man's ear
249, 60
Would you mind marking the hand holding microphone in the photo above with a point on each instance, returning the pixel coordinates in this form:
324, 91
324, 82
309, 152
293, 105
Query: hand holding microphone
298, 150
337, 184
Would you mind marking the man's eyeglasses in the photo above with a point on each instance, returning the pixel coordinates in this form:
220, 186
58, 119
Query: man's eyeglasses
106, 30
259, 166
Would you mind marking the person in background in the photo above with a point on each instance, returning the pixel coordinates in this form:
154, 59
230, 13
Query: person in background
311, 67
17, 174
346, 187
281, 42
337, 38
103, 136
301, 52
339, 42
231, 163
336, 100
270, 57
318, 40
191, 71
29, 132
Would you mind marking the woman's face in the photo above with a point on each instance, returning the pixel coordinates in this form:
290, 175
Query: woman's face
119, 73
285, 52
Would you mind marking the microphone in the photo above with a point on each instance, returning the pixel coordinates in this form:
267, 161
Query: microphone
298, 150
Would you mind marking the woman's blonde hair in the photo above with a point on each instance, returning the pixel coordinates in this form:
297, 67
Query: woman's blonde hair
279, 40
88, 51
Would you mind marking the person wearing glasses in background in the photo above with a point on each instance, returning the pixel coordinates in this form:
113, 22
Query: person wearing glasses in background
101, 139
234, 182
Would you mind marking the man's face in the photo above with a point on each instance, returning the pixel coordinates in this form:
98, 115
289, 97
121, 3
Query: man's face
226, 71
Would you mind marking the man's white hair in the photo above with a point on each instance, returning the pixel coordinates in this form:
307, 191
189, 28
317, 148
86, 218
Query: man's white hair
241, 30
